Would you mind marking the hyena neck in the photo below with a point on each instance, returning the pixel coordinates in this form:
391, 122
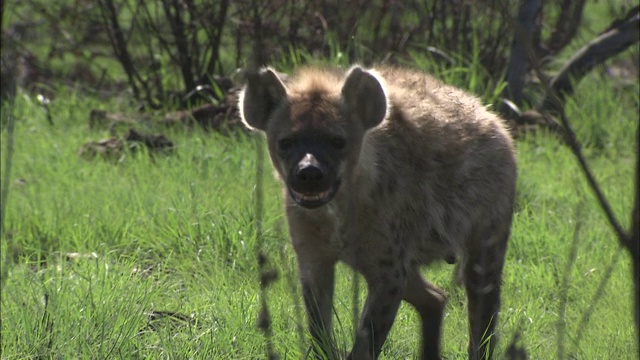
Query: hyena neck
366, 168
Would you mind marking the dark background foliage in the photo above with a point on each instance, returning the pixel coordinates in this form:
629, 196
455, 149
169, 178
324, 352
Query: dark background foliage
167, 52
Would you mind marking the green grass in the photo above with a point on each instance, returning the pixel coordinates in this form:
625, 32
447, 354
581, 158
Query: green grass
177, 234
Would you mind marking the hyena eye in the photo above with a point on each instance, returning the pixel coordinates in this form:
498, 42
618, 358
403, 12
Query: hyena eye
338, 143
285, 144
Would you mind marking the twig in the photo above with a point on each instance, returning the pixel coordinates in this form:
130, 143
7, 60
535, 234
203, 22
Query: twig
355, 309
564, 288
586, 316
624, 239
567, 24
556, 102
266, 276
118, 42
173, 13
571, 140
291, 281
4, 191
47, 323
634, 239
215, 38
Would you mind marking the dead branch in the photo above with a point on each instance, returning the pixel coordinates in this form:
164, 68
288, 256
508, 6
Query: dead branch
174, 15
618, 36
118, 43
617, 39
566, 27
576, 148
634, 238
525, 30
215, 36
628, 241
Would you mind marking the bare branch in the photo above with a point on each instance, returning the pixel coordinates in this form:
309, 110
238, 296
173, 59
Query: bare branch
118, 43
600, 291
173, 12
629, 241
525, 30
8, 110
615, 40
634, 238
215, 37
1, 14
576, 148
567, 24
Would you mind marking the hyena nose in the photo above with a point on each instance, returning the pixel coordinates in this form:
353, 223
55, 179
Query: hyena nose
309, 170
310, 174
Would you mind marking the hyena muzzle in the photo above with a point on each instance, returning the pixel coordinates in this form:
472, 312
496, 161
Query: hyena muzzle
387, 170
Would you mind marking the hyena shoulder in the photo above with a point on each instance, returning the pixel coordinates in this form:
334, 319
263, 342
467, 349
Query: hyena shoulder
437, 110
438, 129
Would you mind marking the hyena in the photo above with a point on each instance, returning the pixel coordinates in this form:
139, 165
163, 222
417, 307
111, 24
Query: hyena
386, 170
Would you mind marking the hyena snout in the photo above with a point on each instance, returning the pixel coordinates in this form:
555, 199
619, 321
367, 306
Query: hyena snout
310, 174
312, 183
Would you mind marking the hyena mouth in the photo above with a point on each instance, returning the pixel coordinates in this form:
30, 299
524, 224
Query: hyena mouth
316, 199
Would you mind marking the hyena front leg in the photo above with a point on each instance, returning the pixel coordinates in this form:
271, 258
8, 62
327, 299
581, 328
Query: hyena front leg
386, 289
429, 302
317, 279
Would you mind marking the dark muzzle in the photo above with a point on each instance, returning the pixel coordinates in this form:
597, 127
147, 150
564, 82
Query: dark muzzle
311, 184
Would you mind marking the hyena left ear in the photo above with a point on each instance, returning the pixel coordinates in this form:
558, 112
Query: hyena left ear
365, 97
259, 98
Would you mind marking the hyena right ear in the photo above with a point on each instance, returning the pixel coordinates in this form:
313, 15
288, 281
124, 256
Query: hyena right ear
259, 98
365, 97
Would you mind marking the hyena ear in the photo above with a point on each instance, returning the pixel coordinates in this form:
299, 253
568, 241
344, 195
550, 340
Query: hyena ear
364, 96
259, 98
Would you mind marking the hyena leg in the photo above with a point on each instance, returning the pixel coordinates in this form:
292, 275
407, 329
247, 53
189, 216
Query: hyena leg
429, 302
483, 279
385, 292
317, 279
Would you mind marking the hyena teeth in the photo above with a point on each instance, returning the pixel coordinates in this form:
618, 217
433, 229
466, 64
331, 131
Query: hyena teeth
311, 197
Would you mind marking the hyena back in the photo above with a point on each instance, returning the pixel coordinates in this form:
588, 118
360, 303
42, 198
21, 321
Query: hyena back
387, 170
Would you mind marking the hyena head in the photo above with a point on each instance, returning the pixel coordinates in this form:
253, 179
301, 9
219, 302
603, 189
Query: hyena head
315, 125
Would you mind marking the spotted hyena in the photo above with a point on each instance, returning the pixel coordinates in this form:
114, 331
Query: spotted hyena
386, 170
